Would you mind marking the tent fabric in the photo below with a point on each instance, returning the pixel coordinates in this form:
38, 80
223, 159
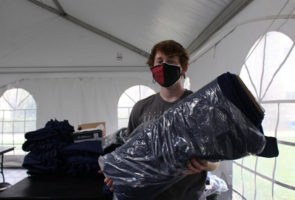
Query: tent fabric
41, 50
80, 100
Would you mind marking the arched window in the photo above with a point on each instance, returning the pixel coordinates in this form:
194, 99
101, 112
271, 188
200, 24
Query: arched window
269, 73
17, 116
127, 101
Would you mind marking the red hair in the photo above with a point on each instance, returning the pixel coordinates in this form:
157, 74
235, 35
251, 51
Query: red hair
169, 48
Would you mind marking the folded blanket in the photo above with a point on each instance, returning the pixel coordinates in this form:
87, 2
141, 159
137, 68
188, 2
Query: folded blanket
205, 125
44, 146
81, 158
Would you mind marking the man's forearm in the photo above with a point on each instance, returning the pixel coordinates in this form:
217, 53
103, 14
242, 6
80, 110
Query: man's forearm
212, 166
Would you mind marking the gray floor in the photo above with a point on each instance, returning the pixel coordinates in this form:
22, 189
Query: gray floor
14, 175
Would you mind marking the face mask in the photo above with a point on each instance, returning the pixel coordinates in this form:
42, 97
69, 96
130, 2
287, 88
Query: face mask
166, 74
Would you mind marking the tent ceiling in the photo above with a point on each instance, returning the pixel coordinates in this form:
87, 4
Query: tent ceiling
134, 25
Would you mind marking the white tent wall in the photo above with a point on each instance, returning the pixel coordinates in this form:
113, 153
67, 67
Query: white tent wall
35, 37
74, 74
227, 50
229, 47
79, 99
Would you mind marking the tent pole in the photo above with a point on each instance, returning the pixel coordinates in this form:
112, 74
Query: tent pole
228, 13
61, 10
91, 28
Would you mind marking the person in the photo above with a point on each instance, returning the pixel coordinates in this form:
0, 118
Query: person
168, 62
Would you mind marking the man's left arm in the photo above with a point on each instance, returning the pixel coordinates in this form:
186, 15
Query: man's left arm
196, 166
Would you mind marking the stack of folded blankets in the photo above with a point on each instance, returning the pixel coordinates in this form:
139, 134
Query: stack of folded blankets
81, 158
221, 121
44, 147
52, 151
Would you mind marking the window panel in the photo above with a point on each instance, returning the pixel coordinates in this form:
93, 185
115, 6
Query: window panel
28, 103
122, 123
249, 184
7, 127
277, 84
10, 96
19, 138
123, 113
22, 95
19, 115
264, 188
282, 193
236, 196
277, 48
261, 166
285, 170
282, 86
7, 139
255, 63
30, 114
286, 129
145, 92
13, 119
19, 127
133, 93
249, 162
239, 160
8, 115
237, 179
30, 126
270, 119
246, 79
125, 101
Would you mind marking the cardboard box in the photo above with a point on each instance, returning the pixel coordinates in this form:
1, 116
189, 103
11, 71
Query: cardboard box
89, 132
91, 126
87, 136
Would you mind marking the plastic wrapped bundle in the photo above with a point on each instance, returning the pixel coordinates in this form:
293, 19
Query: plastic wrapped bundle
204, 125
112, 141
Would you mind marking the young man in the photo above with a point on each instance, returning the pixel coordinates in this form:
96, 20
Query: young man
168, 61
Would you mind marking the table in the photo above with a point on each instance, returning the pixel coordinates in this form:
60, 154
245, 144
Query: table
56, 187
3, 150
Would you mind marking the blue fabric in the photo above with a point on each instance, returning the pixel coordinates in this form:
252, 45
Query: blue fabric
81, 158
52, 152
44, 146
87, 146
233, 91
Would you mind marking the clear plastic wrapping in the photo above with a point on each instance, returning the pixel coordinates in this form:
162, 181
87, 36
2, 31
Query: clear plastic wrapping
204, 125
117, 138
216, 185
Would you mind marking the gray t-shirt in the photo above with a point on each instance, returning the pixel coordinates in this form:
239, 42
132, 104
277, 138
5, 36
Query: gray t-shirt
190, 187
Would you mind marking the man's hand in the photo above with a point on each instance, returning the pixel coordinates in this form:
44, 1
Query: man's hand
196, 166
108, 181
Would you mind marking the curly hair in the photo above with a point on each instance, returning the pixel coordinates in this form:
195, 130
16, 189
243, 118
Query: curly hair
169, 48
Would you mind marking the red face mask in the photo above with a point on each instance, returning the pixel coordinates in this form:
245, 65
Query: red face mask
166, 74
